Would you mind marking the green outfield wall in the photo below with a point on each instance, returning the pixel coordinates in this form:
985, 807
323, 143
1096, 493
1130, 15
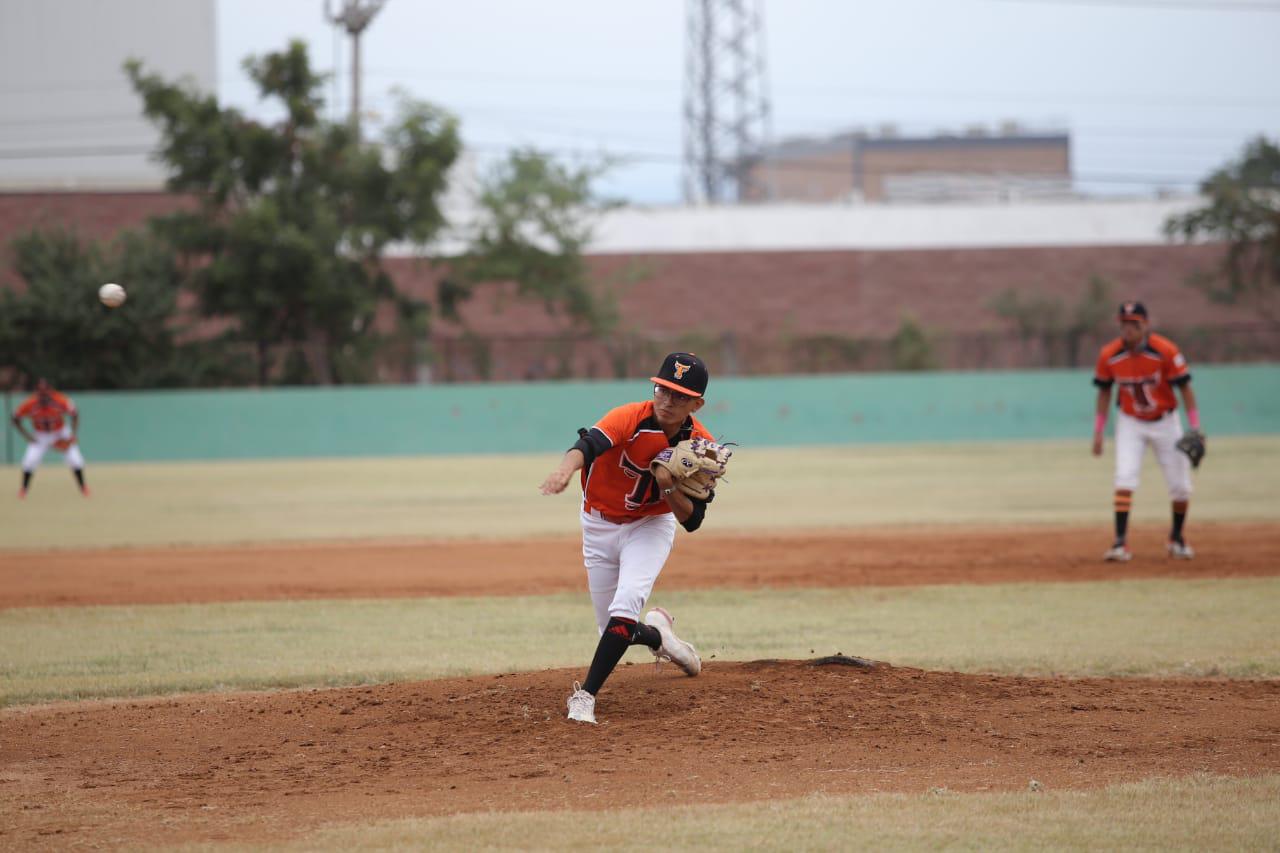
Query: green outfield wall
517, 418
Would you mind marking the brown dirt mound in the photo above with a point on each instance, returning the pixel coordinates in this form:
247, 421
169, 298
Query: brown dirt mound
255, 766
904, 556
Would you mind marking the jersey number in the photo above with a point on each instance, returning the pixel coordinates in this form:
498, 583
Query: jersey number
645, 491
1142, 395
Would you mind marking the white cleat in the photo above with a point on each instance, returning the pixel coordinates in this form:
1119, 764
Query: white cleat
1118, 553
1180, 550
673, 648
582, 705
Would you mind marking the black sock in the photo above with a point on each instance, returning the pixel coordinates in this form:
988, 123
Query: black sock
26, 479
79, 472
614, 642
1176, 534
647, 635
1122, 525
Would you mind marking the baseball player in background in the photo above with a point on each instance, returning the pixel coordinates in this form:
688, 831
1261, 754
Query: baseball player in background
1146, 367
49, 412
629, 514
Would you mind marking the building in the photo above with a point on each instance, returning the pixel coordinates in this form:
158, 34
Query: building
1009, 165
70, 118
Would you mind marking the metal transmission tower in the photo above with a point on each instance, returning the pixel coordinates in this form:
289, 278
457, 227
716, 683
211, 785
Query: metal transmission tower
355, 16
726, 103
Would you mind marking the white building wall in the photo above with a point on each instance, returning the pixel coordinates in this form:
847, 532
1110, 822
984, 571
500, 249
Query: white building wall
68, 117
1091, 222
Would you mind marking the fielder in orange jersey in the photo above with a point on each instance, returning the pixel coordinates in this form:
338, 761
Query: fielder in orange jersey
629, 516
49, 412
1146, 367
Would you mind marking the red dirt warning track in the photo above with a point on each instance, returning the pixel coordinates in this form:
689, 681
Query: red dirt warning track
904, 556
257, 766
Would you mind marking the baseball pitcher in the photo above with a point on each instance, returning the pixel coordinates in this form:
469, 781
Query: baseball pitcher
645, 467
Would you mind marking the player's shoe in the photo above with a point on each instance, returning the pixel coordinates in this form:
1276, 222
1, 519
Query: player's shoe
22, 494
1118, 553
1180, 550
582, 705
84, 490
673, 648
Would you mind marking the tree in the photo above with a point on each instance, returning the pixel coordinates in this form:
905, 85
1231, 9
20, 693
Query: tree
56, 327
1036, 316
292, 218
1242, 209
910, 347
536, 216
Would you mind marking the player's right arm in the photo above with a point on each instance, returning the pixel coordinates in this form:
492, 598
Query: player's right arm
23, 411
1103, 379
559, 478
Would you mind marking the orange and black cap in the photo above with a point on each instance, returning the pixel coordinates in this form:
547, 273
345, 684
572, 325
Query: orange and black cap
1132, 311
683, 372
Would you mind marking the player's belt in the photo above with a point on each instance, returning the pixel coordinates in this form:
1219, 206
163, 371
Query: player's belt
612, 519
1158, 417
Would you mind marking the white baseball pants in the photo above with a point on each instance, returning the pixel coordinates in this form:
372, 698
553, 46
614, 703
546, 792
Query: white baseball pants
1132, 437
44, 440
623, 562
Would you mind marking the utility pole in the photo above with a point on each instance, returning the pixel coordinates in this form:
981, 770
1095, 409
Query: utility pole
355, 17
726, 104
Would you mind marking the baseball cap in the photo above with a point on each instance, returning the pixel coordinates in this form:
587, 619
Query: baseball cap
1132, 311
683, 372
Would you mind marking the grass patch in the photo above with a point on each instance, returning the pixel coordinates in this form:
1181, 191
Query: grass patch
1147, 628
1196, 813
496, 496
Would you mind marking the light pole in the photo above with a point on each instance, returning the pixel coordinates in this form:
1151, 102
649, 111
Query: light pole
355, 16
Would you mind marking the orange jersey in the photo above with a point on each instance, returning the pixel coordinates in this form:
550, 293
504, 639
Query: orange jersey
1146, 377
618, 481
46, 410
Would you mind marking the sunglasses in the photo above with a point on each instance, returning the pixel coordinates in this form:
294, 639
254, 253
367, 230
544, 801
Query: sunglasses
673, 396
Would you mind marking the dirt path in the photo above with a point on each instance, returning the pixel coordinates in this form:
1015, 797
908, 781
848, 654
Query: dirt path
902, 556
254, 766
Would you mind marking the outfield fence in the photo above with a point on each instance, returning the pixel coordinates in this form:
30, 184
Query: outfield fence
543, 416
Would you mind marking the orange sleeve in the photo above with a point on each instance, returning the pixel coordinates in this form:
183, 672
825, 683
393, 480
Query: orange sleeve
1103, 376
24, 411
620, 424
63, 401
1176, 369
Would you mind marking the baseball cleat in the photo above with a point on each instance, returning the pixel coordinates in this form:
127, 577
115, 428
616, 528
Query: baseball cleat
1118, 553
1180, 550
673, 648
582, 705
22, 494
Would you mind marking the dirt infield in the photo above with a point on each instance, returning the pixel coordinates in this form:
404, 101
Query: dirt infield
255, 766
903, 556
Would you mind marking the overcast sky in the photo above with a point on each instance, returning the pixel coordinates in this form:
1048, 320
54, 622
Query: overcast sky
1153, 92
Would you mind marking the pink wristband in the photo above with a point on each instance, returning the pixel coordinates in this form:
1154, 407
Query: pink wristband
1100, 423
1193, 418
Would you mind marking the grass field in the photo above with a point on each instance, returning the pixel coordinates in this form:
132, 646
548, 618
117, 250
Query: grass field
1152, 815
1141, 628
496, 496
1129, 628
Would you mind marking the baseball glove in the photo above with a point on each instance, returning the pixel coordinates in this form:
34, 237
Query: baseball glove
62, 445
696, 465
1192, 444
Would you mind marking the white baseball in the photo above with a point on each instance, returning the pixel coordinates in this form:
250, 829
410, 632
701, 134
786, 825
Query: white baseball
112, 295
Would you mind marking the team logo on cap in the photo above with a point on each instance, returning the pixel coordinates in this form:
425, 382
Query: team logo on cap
681, 369
1128, 308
